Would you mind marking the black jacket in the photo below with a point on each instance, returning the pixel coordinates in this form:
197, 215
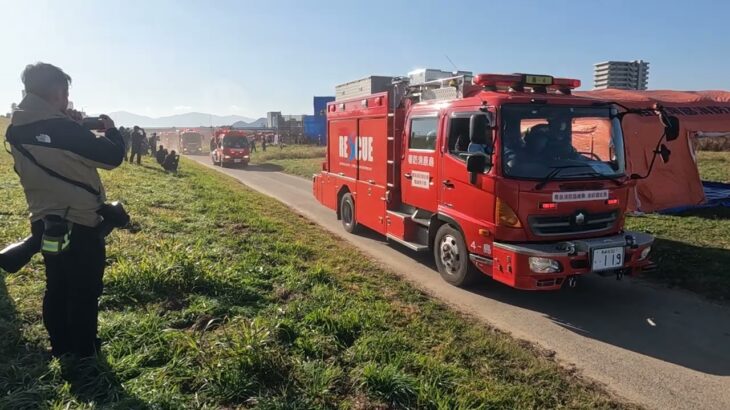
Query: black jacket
64, 146
138, 137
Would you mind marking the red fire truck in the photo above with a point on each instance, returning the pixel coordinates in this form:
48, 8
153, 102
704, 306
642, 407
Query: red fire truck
190, 142
229, 147
508, 175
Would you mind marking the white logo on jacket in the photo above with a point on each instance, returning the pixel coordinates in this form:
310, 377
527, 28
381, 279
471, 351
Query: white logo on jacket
43, 138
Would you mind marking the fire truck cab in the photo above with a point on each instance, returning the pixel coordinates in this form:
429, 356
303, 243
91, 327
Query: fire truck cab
230, 147
190, 142
510, 176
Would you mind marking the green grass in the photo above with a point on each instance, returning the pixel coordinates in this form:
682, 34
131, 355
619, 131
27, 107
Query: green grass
4, 122
222, 298
300, 160
691, 250
714, 166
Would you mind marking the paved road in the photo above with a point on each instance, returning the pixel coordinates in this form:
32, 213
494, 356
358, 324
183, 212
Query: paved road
660, 348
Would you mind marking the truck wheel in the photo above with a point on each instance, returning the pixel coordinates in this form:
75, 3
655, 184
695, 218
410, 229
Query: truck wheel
452, 257
347, 213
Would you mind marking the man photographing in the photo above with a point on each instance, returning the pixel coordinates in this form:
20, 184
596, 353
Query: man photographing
57, 159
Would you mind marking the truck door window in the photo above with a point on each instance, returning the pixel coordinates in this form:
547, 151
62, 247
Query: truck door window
458, 143
423, 133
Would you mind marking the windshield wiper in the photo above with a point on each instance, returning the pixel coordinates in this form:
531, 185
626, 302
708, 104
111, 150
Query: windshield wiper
552, 174
601, 176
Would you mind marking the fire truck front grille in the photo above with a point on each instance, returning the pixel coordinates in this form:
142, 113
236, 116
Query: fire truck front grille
549, 282
579, 222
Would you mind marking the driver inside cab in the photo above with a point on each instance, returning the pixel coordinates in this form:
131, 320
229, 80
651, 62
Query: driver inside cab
560, 145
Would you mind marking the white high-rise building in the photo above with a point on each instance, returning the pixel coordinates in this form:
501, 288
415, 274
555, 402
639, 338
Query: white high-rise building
625, 75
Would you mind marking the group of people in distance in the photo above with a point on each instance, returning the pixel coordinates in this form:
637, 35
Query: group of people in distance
136, 141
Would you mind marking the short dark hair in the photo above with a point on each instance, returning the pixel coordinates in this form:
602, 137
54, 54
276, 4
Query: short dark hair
43, 78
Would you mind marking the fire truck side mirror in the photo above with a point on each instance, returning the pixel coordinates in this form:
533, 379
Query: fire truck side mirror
671, 126
476, 164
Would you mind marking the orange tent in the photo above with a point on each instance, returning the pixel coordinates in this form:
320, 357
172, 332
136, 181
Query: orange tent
676, 183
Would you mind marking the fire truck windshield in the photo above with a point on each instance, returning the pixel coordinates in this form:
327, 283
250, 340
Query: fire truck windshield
192, 138
584, 142
234, 141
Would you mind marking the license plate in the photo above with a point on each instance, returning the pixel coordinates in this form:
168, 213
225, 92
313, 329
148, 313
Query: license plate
236, 160
607, 258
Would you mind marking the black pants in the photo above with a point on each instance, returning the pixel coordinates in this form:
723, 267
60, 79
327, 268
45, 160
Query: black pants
138, 153
73, 286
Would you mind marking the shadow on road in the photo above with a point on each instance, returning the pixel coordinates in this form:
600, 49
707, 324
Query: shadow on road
673, 326
679, 264
265, 167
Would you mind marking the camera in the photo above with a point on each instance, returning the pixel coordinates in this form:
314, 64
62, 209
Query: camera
93, 124
17, 255
114, 216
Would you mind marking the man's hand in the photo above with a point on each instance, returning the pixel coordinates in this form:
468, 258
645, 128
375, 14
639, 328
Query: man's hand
74, 115
108, 122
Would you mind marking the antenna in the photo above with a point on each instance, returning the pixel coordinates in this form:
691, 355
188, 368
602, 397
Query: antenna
456, 69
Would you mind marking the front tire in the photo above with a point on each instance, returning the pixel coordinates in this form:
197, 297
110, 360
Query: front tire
347, 213
452, 257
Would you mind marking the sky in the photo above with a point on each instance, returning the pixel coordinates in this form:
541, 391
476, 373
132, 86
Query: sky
160, 57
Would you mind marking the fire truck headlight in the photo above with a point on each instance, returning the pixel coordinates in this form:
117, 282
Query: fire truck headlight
227, 156
544, 265
246, 156
645, 253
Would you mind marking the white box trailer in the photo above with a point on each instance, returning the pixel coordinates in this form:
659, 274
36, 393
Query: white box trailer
362, 87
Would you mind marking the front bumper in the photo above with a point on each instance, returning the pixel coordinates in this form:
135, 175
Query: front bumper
236, 161
510, 262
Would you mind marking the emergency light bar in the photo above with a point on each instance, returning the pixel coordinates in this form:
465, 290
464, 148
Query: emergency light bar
522, 80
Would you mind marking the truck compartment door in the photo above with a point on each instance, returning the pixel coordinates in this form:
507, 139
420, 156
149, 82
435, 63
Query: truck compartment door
418, 168
370, 206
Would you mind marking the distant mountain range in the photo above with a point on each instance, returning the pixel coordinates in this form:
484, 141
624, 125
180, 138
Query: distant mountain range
191, 119
261, 122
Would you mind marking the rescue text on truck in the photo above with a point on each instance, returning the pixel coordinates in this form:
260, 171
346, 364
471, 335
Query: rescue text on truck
510, 175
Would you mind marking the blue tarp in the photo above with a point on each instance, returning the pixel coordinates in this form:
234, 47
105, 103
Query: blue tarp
320, 105
315, 128
716, 194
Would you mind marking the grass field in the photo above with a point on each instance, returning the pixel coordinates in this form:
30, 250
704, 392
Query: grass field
301, 160
305, 160
221, 298
714, 166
